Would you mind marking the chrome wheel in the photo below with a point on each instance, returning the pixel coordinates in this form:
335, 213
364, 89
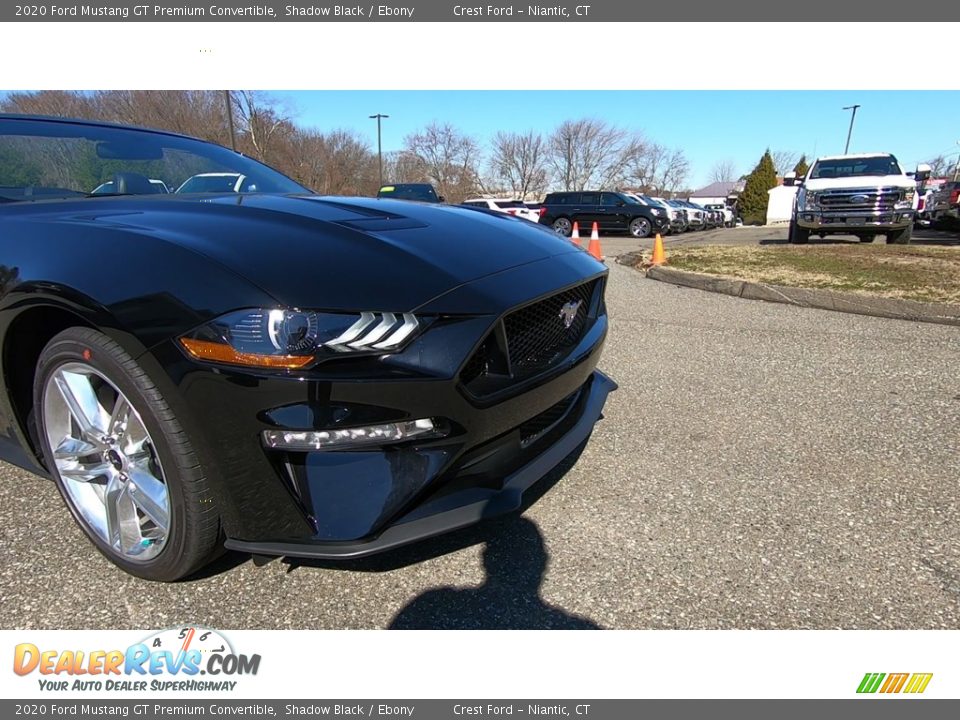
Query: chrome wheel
106, 461
640, 227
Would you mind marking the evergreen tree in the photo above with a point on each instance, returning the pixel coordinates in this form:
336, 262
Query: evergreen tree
801, 167
752, 203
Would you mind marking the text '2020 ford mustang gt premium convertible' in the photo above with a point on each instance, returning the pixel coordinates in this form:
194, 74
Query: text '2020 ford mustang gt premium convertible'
267, 370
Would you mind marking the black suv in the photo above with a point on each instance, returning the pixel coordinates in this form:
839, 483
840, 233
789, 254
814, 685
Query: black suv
421, 192
612, 211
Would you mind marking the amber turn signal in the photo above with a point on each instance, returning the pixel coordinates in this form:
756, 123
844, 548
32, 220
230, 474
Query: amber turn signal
221, 352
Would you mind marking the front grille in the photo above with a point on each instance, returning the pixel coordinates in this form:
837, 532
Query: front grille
531, 339
865, 199
537, 334
539, 425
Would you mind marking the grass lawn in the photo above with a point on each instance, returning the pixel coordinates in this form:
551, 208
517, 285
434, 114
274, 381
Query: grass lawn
929, 274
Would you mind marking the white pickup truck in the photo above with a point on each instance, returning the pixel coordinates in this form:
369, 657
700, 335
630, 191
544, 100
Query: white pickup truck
862, 195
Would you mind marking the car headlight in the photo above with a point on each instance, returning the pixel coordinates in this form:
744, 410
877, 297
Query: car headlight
906, 203
657, 211
807, 200
290, 339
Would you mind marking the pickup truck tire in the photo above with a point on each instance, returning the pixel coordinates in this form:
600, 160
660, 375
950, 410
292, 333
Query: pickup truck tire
798, 235
900, 237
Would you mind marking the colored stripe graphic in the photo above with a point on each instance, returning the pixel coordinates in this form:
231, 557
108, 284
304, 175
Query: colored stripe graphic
870, 682
918, 683
894, 682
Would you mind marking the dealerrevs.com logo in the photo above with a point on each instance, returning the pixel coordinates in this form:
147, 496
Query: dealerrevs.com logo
173, 659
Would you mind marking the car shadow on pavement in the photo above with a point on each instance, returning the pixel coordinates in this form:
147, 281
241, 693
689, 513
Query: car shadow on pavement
515, 561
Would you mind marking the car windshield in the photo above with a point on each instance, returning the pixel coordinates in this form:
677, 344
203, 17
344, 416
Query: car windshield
629, 199
503, 204
853, 167
44, 159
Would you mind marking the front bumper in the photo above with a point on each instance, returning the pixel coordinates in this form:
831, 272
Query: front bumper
325, 500
851, 220
471, 503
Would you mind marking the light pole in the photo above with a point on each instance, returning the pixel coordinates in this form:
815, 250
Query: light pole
853, 117
378, 117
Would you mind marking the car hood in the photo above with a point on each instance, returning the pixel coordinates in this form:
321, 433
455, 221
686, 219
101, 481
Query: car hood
332, 253
861, 181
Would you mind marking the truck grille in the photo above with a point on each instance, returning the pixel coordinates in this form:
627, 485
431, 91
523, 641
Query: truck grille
863, 199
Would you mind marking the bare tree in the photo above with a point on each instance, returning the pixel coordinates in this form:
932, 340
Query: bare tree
660, 170
784, 160
263, 123
518, 162
334, 163
724, 171
447, 157
941, 165
591, 153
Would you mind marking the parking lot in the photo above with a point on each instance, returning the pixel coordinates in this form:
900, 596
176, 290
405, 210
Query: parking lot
761, 466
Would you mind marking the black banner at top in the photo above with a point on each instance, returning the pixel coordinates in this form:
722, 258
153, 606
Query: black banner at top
860, 11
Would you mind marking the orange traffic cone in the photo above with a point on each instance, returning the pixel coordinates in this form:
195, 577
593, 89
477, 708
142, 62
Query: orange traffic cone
659, 256
594, 247
575, 236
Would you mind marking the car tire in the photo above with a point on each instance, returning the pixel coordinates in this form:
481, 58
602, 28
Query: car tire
900, 237
562, 226
797, 234
640, 227
123, 464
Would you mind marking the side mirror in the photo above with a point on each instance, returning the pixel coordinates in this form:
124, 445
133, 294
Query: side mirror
441, 198
790, 179
923, 172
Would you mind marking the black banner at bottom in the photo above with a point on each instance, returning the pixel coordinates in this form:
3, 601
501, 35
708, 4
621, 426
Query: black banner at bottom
872, 708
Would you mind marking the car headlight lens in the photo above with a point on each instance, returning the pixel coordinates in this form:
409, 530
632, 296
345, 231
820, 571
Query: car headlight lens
906, 203
807, 200
291, 339
657, 211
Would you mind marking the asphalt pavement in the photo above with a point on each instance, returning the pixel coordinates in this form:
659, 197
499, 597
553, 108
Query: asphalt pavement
761, 466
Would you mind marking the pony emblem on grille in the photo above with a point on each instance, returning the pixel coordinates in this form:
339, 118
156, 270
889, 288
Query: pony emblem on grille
568, 313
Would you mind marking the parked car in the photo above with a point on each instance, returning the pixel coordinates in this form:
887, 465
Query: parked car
516, 208
109, 187
651, 202
217, 182
275, 372
725, 217
695, 215
945, 205
612, 211
859, 194
678, 218
419, 192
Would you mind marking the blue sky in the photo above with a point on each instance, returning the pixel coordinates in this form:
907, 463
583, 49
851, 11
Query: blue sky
710, 126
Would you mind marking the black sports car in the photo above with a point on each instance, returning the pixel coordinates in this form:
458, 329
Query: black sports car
263, 369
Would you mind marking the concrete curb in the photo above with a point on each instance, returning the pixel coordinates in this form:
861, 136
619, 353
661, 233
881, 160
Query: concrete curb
813, 298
